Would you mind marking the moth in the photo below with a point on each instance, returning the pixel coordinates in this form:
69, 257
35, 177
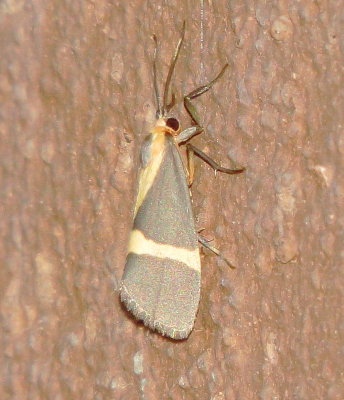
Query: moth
162, 275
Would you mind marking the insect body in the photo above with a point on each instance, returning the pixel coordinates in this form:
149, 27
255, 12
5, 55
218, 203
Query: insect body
161, 280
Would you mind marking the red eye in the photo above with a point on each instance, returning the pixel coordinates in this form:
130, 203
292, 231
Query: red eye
172, 123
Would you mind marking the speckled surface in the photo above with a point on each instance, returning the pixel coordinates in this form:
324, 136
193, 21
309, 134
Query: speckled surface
76, 100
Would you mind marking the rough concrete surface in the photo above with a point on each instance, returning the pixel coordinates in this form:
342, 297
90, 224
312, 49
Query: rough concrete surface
76, 100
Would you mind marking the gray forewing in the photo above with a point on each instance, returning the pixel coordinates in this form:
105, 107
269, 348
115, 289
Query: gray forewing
163, 293
165, 214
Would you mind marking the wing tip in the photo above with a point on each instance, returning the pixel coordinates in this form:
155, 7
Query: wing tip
148, 320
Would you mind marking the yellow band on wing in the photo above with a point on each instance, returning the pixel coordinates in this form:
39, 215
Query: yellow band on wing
147, 175
139, 244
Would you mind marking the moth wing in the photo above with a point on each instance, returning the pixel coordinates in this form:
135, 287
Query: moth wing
161, 280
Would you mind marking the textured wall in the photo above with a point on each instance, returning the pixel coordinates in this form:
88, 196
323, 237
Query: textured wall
76, 99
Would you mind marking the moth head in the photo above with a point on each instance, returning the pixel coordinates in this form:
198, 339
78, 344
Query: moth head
168, 125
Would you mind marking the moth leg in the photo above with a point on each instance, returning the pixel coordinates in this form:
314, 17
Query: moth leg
188, 133
197, 128
190, 164
206, 244
216, 167
190, 108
